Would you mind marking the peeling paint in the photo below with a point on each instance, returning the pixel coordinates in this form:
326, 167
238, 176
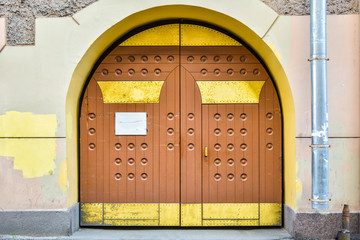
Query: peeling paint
299, 186
63, 175
27, 124
34, 157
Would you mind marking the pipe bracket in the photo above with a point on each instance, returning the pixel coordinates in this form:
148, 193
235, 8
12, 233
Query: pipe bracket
320, 146
318, 200
318, 58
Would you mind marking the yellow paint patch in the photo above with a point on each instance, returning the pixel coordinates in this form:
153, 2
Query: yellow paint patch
195, 35
191, 215
165, 35
270, 214
91, 213
230, 222
131, 91
131, 211
131, 222
298, 186
63, 175
69, 122
35, 157
169, 214
230, 211
27, 124
230, 91
273, 48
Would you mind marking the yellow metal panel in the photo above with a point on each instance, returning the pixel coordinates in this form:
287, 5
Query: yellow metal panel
195, 35
131, 211
165, 35
230, 91
230, 222
191, 214
230, 211
169, 214
132, 222
131, 91
270, 214
92, 213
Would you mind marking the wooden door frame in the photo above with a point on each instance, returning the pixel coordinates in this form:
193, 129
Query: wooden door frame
220, 20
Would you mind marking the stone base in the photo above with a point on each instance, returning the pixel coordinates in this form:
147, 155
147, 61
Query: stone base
40, 223
317, 225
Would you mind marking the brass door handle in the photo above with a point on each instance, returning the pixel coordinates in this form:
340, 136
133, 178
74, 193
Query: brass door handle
206, 151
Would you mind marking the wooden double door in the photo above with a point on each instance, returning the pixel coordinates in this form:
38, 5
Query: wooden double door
206, 150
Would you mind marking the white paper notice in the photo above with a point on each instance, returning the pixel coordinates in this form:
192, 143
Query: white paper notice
130, 123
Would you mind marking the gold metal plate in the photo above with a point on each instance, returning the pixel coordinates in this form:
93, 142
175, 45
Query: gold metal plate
131, 91
230, 91
191, 35
191, 214
270, 214
230, 211
169, 214
92, 213
230, 222
131, 211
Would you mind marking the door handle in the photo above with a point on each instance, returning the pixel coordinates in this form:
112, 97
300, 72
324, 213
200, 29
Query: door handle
206, 151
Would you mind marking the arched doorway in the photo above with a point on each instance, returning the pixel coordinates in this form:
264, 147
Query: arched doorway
180, 126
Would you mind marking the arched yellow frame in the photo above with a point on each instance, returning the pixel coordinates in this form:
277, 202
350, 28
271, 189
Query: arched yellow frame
147, 16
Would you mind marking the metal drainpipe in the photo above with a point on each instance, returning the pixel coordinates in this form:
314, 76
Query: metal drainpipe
319, 109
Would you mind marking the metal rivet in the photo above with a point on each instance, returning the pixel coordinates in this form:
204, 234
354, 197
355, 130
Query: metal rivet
191, 116
217, 116
170, 131
157, 72
118, 72
144, 146
203, 72
217, 131
144, 161
229, 58
144, 72
131, 146
117, 146
191, 131
230, 131
170, 116
243, 116
131, 176
269, 131
243, 177
230, 147
243, 131
92, 146
144, 58
170, 146
269, 116
92, 131
170, 59
269, 146
217, 177
117, 161
243, 161
243, 147
91, 116
131, 58
118, 59
217, 147
243, 59
230, 162
131, 72
190, 59
230, 116
191, 146
157, 59
217, 72
203, 59
117, 176
217, 162
256, 71
230, 72
231, 177
105, 72
131, 161
243, 71
216, 58
144, 176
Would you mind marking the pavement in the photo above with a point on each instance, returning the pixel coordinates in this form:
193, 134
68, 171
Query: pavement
168, 234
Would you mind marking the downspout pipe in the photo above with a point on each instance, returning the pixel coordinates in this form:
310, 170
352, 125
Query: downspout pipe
319, 109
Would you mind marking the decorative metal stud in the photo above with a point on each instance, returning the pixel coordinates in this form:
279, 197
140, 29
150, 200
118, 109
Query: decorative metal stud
131, 146
118, 72
243, 59
217, 131
243, 116
191, 131
104, 72
144, 72
217, 72
144, 161
118, 59
117, 161
170, 131
144, 176
230, 162
144, 146
144, 58
230, 58
170, 146
243, 131
190, 59
269, 116
243, 71
131, 58
157, 59
131, 161
230, 72
243, 177
217, 147
117, 176
217, 162
131, 72
170, 116
203, 72
231, 177
216, 58
217, 116
230, 147
92, 131
117, 146
203, 59
91, 116
191, 116
191, 146
131, 176
243, 147
157, 72
217, 177
170, 59
91, 146
269, 131
230, 116
230, 131
256, 71
269, 146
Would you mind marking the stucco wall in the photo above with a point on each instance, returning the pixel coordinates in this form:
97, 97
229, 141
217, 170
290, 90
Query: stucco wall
35, 81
